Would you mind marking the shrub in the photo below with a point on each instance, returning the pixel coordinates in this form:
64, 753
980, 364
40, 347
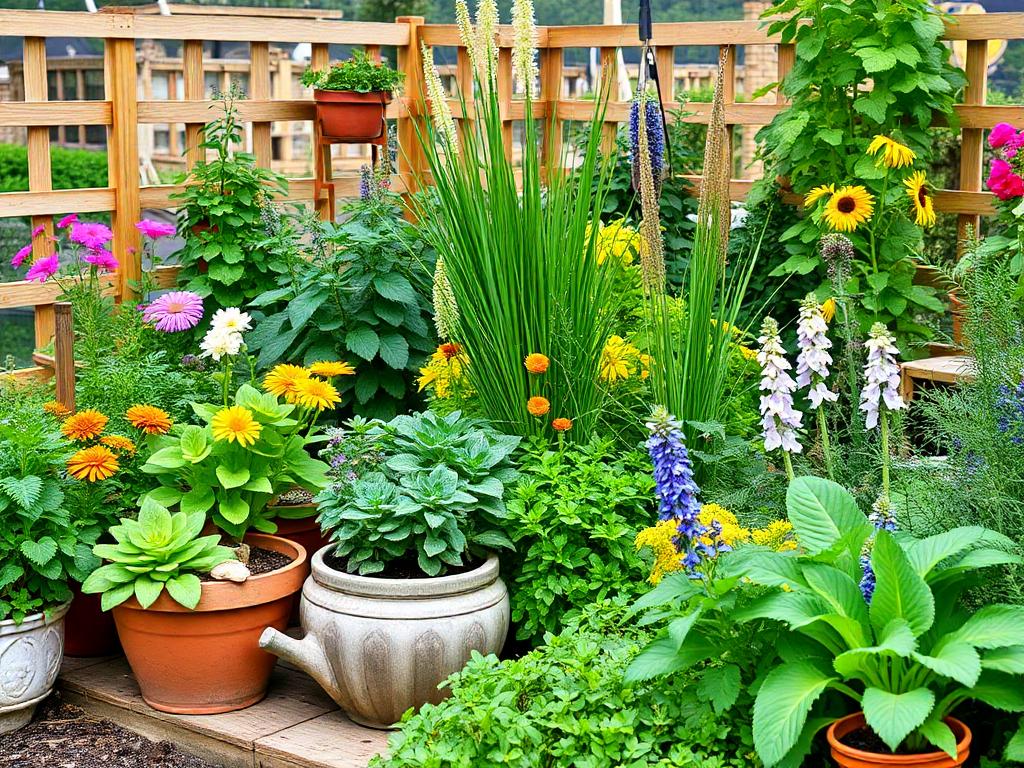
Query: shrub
72, 168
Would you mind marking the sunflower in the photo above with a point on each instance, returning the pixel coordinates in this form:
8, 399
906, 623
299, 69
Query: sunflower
538, 406
848, 208
917, 190
283, 379
84, 425
94, 463
316, 393
828, 309
235, 424
57, 409
330, 369
535, 362
149, 418
894, 154
817, 193
118, 443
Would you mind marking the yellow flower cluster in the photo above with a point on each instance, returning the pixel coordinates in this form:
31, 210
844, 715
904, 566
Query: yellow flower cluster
777, 535
308, 387
621, 360
445, 372
618, 241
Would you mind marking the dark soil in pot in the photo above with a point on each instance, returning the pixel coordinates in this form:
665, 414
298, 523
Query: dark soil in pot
867, 740
260, 561
404, 568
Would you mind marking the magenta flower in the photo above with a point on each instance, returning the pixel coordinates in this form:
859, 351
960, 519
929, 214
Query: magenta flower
175, 311
21, 255
154, 229
43, 269
1001, 135
38, 231
67, 221
103, 259
91, 234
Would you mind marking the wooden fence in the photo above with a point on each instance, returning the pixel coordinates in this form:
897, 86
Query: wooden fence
122, 111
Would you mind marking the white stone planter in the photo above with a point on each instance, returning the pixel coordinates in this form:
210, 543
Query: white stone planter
30, 655
381, 646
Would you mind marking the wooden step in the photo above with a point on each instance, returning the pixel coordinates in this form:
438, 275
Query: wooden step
296, 726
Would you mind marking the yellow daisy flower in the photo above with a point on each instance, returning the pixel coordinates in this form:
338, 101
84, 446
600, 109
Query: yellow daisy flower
828, 309
316, 393
283, 380
817, 193
894, 154
616, 360
94, 463
332, 368
917, 191
236, 424
84, 425
848, 208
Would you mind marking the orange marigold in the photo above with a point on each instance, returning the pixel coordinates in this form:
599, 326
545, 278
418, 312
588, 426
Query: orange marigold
536, 362
562, 424
118, 443
538, 406
450, 350
57, 409
149, 418
94, 463
84, 425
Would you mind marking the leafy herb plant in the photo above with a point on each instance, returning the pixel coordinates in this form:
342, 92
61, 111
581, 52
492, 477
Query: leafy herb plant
360, 74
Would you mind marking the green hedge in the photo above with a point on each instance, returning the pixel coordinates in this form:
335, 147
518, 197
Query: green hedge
72, 168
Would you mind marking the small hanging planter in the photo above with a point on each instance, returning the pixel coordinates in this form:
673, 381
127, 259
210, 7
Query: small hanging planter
351, 98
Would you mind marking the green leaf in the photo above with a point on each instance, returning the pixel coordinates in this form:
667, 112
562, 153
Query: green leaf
1015, 747
147, 590
958, 661
939, 735
999, 690
393, 286
394, 350
24, 491
113, 597
199, 499
1009, 659
900, 593
994, 626
664, 656
232, 477
876, 59
362, 341
302, 307
193, 444
233, 508
893, 716
720, 686
824, 514
39, 553
896, 639
782, 705
185, 589
925, 554
167, 458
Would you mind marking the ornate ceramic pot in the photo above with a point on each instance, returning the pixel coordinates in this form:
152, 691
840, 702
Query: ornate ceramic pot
30, 655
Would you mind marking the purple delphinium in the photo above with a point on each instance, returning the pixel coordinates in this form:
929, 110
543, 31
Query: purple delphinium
175, 311
881, 517
1010, 407
655, 138
91, 234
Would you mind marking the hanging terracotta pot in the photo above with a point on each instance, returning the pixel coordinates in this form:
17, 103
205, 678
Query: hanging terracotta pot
208, 660
352, 117
89, 631
850, 757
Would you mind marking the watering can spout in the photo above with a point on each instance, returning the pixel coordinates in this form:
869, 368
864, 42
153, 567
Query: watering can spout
307, 654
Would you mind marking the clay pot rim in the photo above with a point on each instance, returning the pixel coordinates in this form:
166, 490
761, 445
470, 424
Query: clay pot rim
338, 96
857, 720
34, 620
230, 595
403, 589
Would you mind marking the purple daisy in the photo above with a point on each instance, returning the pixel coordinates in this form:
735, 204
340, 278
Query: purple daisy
21, 255
175, 311
43, 269
103, 259
154, 229
67, 221
91, 234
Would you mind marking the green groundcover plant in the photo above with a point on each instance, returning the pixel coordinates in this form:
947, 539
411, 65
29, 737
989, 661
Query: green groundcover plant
360, 74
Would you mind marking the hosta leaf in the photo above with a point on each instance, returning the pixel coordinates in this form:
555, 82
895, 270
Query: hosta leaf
720, 686
999, 690
939, 735
39, 552
893, 716
956, 660
823, 514
896, 639
925, 554
782, 706
994, 626
900, 593
1009, 659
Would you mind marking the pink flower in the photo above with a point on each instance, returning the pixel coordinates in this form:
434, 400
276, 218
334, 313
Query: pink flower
103, 259
38, 231
21, 255
154, 229
67, 221
175, 311
43, 269
1000, 135
92, 235
1003, 181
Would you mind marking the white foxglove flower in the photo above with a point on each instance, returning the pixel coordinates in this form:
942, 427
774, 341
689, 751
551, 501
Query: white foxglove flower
218, 343
881, 376
230, 320
779, 420
813, 360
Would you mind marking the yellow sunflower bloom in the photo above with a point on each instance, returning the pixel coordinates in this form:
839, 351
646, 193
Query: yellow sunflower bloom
828, 309
332, 368
118, 443
894, 154
236, 424
94, 463
149, 418
917, 191
316, 393
283, 380
84, 425
817, 193
617, 360
848, 208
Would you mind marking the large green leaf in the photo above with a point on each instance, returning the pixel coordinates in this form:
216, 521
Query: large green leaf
1009, 659
720, 686
664, 656
994, 626
841, 593
927, 553
900, 592
362, 340
939, 734
232, 476
1015, 747
824, 514
393, 286
782, 706
41, 552
233, 508
956, 660
147, 590
897, 639
893, 716
25, 490
999, 690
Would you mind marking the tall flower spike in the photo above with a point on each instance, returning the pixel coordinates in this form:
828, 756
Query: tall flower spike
655, 140
446, 311
714, 191
779, 421
441, 113
486, 48
881, 375
524, 45
652, 257
466, 34
813, 360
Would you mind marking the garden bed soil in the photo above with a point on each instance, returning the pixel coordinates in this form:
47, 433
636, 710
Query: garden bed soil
63, 736
405, 568
260, 561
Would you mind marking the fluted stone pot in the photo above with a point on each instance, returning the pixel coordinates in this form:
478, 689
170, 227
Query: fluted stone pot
30, 655
381, 646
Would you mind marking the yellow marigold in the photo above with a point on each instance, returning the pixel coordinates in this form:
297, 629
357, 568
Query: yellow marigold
894, 154
332, 368
149, 418
777, 535
84, 425
118, 443
917, 191
535, 362
235, 424
660, 539
94, 463
57, 409
825, 190
848, 208
619, 241
316, 393
562, 424
618, 360
283, 380
828, 309
538, 406
732, 533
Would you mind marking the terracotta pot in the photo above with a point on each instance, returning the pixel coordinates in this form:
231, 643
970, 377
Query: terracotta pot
304, 531
848, 757
88, 629
350, 116
30, 654
380, 646
208, 660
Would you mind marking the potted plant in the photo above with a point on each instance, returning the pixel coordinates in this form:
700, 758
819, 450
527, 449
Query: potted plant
886, 630
410, 585
351, 97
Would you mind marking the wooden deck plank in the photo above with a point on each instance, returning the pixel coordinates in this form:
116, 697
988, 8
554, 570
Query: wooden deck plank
328, 741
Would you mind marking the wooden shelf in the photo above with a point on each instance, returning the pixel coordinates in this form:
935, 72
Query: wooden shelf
946, 369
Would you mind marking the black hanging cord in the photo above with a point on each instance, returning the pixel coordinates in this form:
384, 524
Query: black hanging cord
646, 31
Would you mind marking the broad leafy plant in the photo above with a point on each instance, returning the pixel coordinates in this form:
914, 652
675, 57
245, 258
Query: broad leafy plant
157, 551
433, 499
906, 653
360, 74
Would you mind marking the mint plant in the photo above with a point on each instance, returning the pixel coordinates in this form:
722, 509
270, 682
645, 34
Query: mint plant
360, 74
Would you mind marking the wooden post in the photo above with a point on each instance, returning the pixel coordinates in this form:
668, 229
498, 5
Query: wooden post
551, 72
464, 81
972, 141
123, 162
411, 160
609, 91
320, 59
259, 88
665, 56
195, 90
730, 99
64, 355
787, 60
